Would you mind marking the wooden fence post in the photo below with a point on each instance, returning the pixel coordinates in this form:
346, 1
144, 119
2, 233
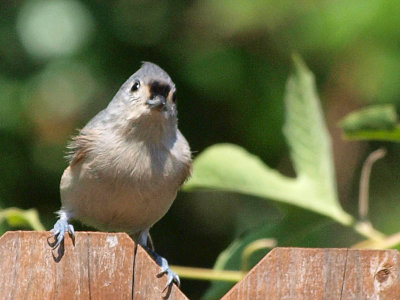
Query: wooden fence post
99, 266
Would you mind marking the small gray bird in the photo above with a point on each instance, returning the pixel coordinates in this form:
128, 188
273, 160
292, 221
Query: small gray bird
127, 164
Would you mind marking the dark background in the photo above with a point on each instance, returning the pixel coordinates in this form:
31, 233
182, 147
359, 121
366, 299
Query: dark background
62, 61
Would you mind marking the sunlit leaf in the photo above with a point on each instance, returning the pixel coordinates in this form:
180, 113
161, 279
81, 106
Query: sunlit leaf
229, 167
310, 145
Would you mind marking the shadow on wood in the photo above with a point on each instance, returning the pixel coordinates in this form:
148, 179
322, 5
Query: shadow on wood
99, 266
300, 273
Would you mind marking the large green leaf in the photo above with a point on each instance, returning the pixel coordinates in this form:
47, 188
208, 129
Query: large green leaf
229, 167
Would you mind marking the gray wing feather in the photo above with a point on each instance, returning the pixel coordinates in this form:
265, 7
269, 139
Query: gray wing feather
84, 141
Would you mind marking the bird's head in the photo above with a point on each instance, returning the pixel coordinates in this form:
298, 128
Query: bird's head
149, 93
145, 105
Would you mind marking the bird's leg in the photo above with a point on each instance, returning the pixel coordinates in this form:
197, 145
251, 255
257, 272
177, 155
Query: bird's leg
143, 239
61, 228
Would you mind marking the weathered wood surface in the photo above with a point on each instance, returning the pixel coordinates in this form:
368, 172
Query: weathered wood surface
99, 266
299, 273
110, 266
149, 286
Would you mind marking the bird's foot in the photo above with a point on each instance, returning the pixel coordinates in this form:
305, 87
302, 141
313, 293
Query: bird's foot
165, 269
172, 277
59, 231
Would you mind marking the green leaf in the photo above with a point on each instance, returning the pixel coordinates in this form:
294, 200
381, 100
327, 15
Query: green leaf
376, 117
374, 135
229, 167
310, 146
16, 217
378, 122
311, 195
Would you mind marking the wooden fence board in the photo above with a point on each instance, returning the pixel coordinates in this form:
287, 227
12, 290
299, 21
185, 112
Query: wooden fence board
99, 266
110, 266
299, 273
147, 285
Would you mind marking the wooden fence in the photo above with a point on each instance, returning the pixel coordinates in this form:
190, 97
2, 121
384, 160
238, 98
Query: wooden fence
110, 266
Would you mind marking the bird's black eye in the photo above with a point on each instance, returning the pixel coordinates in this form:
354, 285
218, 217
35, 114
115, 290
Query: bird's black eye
174, 97
135, 86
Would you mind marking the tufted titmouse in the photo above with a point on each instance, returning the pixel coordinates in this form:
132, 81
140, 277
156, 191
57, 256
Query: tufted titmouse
127, 164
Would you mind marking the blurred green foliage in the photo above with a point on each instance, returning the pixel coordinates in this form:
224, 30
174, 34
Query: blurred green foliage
377, 122
61, 61
16, 217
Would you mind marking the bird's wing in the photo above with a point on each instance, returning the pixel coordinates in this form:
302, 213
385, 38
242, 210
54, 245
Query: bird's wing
185, 156
84, 142
81, 145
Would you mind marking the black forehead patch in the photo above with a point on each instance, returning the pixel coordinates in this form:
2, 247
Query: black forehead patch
159, 88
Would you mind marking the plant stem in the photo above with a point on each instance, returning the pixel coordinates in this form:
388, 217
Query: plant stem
366, 229
254, 247
208, 274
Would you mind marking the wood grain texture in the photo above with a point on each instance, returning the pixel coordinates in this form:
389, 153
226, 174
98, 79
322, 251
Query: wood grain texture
99, 266
147, 284
110, 266
298, 273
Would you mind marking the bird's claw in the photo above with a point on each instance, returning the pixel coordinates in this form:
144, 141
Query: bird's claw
71, 232
60, 229
165, 269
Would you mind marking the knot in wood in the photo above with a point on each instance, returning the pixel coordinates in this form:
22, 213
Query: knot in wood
382, 275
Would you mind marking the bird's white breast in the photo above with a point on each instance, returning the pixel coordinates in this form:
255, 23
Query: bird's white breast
127, 186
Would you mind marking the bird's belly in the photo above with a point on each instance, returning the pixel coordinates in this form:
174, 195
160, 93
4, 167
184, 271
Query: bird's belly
115, 204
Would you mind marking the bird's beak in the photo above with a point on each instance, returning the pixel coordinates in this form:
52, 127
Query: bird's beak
157, 101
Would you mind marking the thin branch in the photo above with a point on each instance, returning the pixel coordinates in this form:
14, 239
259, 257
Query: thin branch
363, 203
